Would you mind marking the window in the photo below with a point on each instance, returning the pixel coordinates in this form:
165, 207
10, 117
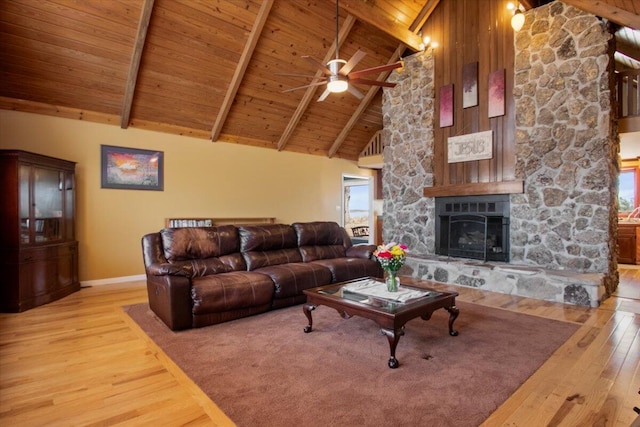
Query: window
629, 186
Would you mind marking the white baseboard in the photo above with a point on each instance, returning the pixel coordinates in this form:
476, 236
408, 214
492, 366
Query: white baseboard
113, 280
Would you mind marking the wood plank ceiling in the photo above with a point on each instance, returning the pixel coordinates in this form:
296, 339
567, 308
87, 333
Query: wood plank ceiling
209, 68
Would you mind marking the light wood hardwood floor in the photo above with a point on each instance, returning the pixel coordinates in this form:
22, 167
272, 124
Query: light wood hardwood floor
81, 361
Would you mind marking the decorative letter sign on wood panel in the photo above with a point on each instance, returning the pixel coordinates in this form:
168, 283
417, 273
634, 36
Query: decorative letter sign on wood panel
475, 146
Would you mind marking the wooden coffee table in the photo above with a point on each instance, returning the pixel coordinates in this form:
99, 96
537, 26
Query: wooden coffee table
390, 315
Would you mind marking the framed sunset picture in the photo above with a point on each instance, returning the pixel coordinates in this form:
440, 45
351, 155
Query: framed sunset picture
131, 168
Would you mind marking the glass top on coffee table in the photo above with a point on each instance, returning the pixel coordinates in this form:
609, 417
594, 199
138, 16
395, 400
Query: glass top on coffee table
373, 292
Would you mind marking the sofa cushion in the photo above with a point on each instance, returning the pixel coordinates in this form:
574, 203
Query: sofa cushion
343, 269
291, 279
230, 291
181, 244
314, 253
255, 259
267, 245
320, 240
318, 233
266, 237
191, 268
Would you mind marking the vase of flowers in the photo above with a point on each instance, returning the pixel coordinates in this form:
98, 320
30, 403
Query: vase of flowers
391, 258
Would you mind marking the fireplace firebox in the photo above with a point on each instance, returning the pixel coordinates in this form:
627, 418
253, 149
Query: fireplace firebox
475, 227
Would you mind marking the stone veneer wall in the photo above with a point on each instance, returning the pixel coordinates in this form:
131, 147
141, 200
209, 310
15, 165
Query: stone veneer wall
408, 117
563, 226
566, 150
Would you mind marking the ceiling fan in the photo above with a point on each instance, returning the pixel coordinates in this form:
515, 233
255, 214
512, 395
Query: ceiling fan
337, 73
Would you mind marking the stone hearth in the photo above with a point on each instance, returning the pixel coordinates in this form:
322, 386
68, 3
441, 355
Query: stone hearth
569, 287
563, 227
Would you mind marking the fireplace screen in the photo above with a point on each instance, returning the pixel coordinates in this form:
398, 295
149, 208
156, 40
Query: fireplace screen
474, 227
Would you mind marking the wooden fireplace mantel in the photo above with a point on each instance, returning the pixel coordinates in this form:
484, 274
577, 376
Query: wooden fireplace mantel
475, 189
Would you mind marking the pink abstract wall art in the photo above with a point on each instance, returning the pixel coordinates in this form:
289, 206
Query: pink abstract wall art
446, 106
470, 85
496, 93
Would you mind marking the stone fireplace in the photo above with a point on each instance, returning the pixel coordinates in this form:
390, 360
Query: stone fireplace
561, 229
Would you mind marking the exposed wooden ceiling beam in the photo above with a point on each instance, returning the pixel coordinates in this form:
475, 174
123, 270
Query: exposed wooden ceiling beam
241, 68
529, 4
608, 11
134, 66
366, 12
424, 15
622, 67
628, 49
308, 95
364, 104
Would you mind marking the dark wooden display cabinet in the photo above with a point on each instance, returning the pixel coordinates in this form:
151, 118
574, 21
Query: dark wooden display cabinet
38, 250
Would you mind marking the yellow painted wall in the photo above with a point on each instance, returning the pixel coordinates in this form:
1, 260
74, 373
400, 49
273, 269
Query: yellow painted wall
201, 179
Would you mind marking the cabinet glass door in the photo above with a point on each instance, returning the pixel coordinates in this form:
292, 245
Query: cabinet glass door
47, 197
25, 230
69, 208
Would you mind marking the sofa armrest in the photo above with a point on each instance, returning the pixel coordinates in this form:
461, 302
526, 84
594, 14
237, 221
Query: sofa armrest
170, 299
166, 268
361, 251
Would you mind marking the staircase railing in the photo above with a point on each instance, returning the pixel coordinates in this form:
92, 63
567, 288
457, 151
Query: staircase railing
628, 93
374, 147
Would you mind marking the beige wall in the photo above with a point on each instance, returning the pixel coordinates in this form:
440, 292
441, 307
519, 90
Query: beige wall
201, 179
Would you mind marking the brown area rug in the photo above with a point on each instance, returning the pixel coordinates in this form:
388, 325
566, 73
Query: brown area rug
265, 371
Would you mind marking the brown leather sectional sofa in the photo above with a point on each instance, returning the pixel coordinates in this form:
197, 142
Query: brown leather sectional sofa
207, 275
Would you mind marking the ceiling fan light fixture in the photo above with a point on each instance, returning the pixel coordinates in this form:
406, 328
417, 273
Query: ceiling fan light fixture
337, 73
337, 85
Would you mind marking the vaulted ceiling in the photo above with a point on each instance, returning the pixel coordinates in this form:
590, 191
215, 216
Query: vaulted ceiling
211, 68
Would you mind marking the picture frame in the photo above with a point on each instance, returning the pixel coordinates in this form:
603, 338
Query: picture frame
470, 85
131, 168
496, 93
446, 106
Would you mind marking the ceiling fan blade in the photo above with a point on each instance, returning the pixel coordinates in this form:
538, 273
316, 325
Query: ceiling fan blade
352, 62
324, 95
378, 69
305, 86
318, 64
372, 82
355, 92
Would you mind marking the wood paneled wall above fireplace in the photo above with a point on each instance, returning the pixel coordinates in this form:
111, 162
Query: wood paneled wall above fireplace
473, 31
